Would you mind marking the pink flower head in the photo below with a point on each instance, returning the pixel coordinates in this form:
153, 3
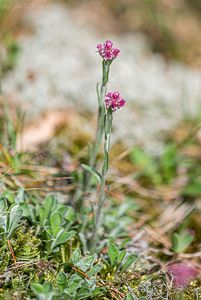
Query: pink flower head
107, 52
181, 274
114, 101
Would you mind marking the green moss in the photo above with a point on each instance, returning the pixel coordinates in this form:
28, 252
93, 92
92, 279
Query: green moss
26, 244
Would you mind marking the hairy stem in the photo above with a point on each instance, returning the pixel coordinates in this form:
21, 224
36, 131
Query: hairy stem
101, 112
101, 92
102, 196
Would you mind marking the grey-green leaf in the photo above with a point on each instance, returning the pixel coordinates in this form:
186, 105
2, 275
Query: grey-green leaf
129, 260
37, 288
91, 170
61, 238
113, 253
14, 218
86, 263
55, 221
129, 297
39, 291
94, 270
182, 241
121, 256
76, 255
50, 203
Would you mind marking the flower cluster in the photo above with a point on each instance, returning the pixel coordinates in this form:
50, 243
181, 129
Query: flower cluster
107, 52
114, 101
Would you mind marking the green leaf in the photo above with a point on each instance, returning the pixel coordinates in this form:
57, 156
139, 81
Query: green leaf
61, 238
129, 297
47, 287
69, 214
94, 270
193, 189
168, 162
55, 222
113, 253
181, 241
42, 217
45, 212
37, 288
38, 291
129, 260
3, 205
146, 164
121, 256
43, 292
9, 196
91, 170
14, 219
86, 291
85, 263
3, 222
74, 283
62, 279
50, 204
20, 197
3, 214
48, 233
76, 255
56, 219
28, 211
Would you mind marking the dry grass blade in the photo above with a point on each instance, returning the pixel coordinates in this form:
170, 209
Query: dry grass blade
157, 236
136, 187
173, 215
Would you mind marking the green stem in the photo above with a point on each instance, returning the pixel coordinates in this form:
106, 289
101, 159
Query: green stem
101, 112
102, 195
101, 92
63, 254
99, 132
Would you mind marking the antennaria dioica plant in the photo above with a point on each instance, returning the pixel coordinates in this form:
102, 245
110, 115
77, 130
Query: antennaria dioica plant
108, 54
108, 103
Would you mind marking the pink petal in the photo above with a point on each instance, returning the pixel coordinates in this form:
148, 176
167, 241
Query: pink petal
115, 95
99, 47
108, 45
122, 102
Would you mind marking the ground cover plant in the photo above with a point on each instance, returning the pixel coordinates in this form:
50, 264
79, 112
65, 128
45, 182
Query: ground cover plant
86, 233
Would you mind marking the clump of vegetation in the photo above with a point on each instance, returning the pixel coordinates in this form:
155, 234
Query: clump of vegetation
100, 243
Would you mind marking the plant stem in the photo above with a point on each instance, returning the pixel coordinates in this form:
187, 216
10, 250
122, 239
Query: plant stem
101, 112
101, 92
63, 254
99, 132
102, 196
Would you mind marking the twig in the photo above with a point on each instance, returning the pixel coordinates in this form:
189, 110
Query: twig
12, 251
